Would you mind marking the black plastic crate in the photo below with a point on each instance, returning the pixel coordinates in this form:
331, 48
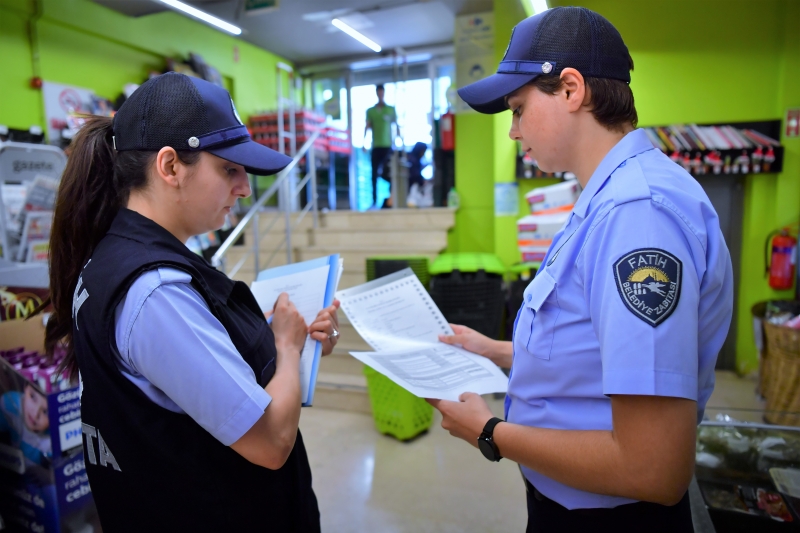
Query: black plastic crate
380, 266
472, 299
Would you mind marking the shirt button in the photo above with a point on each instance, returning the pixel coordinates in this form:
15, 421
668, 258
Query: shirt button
623, 164
528, 297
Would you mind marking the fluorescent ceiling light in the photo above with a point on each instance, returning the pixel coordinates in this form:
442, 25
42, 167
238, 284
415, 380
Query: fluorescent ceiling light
202, 15
539, 6
369, 43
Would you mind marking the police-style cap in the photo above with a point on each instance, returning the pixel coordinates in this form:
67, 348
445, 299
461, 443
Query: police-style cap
548, 43
188, 113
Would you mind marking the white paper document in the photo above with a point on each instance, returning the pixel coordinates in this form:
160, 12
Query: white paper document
397, 317
310, 286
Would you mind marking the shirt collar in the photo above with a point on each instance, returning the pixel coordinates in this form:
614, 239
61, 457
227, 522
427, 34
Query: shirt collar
634, 143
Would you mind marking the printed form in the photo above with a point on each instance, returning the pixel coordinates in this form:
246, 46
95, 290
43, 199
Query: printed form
310, 286
397, 317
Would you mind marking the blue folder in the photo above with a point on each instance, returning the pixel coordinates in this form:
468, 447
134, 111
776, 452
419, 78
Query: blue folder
330, 289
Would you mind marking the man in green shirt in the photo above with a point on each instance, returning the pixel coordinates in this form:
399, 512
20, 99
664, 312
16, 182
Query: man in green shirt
380, 119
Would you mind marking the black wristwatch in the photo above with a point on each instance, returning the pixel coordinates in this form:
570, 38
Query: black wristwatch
486, 441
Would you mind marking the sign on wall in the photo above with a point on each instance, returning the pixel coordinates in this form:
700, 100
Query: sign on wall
61, 100
793, 122
474, 51
506, 199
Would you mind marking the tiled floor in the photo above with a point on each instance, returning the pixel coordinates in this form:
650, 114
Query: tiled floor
736, 397
367, 482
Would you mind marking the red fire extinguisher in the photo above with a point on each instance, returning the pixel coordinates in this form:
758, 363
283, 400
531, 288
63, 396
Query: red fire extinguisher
780, 262
447, 131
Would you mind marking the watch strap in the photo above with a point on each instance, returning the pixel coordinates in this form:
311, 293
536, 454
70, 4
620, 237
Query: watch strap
488, 429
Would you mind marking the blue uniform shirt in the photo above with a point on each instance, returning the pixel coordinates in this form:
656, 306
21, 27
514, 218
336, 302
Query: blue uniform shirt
181, 357
635, 296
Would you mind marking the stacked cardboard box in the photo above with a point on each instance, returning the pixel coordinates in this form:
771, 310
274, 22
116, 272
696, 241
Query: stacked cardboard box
550, 209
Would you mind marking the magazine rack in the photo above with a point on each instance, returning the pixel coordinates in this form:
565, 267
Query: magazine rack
20, 165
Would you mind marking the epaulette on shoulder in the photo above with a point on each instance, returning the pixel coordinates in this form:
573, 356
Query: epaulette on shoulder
628, 183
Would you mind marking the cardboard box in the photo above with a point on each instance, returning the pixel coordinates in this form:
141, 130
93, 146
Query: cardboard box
541, 227
533, 254
554, 196
43, 483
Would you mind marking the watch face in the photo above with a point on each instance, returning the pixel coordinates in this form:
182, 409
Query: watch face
487, 449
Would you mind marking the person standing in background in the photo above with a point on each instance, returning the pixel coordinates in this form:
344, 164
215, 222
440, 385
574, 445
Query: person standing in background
380, 119
416, 183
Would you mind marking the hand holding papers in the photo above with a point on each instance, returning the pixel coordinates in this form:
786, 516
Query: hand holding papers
310, 286
397, 317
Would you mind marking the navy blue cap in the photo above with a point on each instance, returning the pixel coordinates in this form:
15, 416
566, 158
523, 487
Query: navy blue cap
188, 113
546, 44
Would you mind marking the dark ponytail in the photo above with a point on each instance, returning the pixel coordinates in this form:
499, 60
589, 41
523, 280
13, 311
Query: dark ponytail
96, 182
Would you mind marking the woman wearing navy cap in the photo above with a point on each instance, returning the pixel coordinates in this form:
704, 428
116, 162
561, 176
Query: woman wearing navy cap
191, 402
613, 352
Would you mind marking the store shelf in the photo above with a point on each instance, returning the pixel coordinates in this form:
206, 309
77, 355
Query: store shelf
705, 149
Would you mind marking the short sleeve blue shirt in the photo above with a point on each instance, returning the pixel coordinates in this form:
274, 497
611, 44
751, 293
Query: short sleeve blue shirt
635, 296
179, 355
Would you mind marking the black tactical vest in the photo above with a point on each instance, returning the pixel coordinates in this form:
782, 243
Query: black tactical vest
151, 469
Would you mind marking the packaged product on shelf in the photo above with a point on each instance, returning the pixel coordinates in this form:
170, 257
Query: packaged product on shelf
17, 303
533, 254
553, 196
541, 227
43, 481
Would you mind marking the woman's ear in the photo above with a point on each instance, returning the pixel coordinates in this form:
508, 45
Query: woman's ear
574, 88
168, 166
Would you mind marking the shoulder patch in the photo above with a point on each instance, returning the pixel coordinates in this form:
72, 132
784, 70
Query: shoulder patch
649, 283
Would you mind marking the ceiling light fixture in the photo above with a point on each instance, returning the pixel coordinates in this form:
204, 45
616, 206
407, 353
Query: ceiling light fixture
202, 15
539, 6
369, 43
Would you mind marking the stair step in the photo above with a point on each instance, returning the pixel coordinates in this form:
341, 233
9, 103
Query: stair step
345, 392
400, 238
341, 383
356, 257
433, 218
276, 222
341, 362
351, 279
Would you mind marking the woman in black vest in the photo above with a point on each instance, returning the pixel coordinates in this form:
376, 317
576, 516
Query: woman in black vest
191, 402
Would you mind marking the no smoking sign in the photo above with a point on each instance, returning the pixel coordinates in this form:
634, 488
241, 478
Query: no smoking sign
793, 122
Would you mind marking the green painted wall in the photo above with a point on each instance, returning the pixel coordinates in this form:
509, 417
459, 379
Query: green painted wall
474, 164
84, 44
19, 105
507, 14
484, 156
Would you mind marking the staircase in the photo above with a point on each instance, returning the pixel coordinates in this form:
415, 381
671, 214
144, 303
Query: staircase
354, 236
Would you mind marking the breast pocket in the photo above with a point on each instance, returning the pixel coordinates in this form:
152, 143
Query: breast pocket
541, 306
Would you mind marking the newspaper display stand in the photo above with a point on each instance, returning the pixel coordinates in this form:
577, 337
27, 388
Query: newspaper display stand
29, 175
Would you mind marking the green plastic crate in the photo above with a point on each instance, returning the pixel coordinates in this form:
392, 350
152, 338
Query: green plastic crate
417, 263
467, 262
396, 411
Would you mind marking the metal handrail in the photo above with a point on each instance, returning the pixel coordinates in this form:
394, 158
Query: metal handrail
282, 181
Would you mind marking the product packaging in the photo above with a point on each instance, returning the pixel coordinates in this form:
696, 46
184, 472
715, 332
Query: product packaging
43, 483
560, 195
535, 234
533, 254
540, 227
